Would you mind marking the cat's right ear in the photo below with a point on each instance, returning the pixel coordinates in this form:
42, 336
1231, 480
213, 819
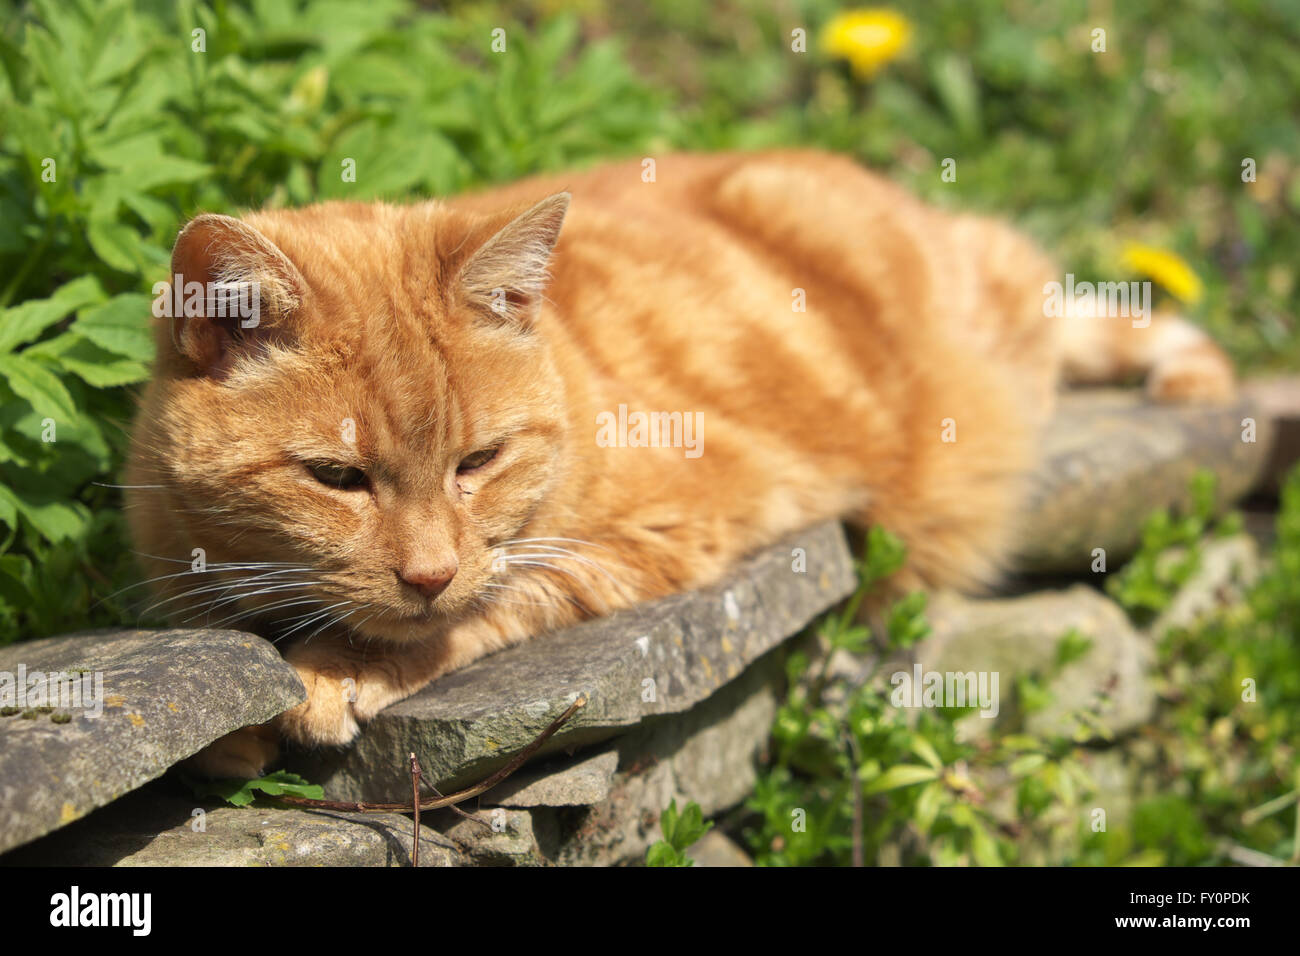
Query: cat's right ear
505, 277
231, 289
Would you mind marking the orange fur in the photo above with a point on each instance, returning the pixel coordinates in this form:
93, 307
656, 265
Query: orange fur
433, 328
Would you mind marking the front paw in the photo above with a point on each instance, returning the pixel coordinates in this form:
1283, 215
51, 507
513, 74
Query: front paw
328, 716
241, 755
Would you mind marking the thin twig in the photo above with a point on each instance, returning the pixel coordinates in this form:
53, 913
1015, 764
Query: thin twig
451, 799
458, 811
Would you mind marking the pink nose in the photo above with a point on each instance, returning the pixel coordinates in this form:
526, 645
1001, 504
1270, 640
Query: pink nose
429, 581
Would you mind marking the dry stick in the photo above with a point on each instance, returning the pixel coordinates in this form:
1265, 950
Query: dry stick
459, 812
453, 798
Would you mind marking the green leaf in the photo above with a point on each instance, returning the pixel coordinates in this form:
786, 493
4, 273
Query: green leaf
54, 520
927, 806
885, 555
1027, 764
901, 775
8, 509
143, 173
983, 847
907, 624
37, 137
690, 826
680, 830
925, 750
46, 53
116, 244
39, 386
26, 321
955, 84
242, 792
662, 854
121, 325
14, 570
92, 364
117, 57
668, 821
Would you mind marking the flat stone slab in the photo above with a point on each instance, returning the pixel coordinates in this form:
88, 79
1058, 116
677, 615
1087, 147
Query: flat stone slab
587, 781
591, 809
132, 703
659, 658
1111, 457
148, 828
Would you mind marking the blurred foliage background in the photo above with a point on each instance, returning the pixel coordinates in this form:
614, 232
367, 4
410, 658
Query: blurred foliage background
119, 119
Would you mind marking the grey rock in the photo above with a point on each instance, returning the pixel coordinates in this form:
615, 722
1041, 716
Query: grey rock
584, 781
715, 849
165, 695
148, 828
1019, 636
659, 658
1110, 458
708, 755
1228, 566
501, 836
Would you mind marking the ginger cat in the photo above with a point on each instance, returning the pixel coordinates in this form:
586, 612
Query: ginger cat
429, 447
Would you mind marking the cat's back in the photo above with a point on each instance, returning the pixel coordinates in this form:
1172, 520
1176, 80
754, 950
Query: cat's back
705, 264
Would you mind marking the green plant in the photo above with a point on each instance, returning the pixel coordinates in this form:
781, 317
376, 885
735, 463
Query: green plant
1227, 738
1216, 772
680, 832
1170, 552
859, 777
241, 793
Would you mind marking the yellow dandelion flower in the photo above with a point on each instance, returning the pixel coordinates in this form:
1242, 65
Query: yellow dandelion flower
868, 38
1167, 268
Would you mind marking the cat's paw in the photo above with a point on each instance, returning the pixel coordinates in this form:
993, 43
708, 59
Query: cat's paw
328, 716
1200, 374
345, 688
241, 755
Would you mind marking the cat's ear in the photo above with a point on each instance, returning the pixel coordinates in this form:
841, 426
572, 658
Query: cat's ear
505, 277
231, 289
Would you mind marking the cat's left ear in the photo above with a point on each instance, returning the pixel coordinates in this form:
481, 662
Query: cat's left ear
505, 277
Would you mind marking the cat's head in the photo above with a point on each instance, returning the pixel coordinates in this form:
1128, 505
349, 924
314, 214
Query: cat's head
351, 408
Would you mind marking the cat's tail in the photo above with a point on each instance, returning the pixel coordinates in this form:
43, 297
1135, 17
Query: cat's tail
1179, 362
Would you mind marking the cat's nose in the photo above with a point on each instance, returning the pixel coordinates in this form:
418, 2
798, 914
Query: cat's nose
429, 579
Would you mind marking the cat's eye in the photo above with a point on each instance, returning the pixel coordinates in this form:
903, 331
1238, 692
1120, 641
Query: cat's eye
345, 477
477, 460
